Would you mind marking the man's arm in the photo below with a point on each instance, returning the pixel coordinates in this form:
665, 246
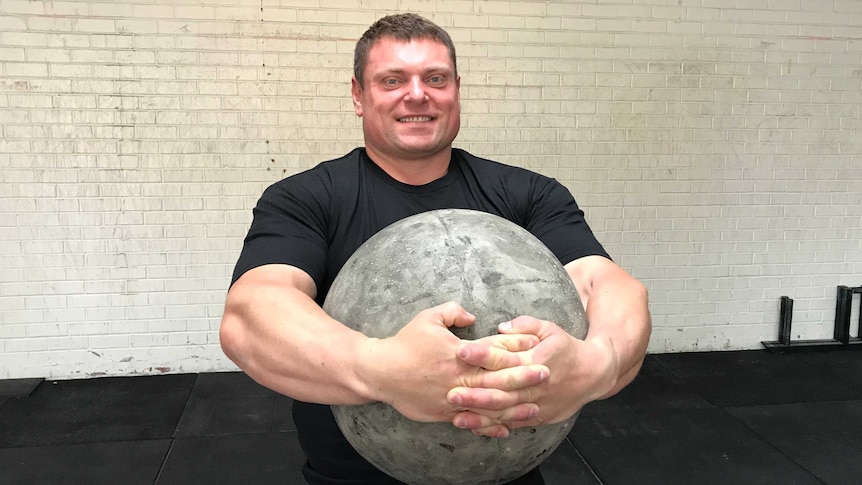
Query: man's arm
266, 330
617, 308
582, 371
275, 331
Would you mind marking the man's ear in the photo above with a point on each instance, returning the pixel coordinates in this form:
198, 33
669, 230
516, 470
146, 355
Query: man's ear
356, 92
458, 91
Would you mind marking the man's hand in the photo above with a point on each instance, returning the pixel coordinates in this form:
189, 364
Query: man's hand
580, 371
414, 370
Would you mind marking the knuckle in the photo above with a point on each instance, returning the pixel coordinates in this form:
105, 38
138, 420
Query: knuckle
495, 401
512, 414
511, 381
523, 413
532, 394
501, 401
498, 359
424, 313
512, 342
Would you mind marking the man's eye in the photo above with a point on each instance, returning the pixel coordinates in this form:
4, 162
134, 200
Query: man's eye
391, 82
435, 80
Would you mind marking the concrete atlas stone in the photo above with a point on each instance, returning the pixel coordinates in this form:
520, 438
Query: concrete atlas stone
494, 269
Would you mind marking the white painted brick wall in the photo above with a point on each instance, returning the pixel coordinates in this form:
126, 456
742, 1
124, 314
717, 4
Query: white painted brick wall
715, 145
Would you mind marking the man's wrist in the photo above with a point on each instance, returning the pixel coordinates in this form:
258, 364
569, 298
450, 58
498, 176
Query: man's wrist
365, 382
607, 363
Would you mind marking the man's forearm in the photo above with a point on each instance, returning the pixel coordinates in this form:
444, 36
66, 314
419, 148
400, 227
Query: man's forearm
617, 309
273, 331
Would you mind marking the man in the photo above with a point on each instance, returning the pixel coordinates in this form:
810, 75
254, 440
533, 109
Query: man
406, 90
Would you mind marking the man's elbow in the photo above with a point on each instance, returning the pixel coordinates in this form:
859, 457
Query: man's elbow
231, 335
642, 294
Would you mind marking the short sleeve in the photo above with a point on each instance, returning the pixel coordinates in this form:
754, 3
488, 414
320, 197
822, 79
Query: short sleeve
556, 219
289, 226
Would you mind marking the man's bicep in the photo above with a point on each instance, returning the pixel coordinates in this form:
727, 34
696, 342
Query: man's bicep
288, 228
586, 270
276, 275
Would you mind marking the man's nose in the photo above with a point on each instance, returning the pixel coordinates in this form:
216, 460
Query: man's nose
416, 90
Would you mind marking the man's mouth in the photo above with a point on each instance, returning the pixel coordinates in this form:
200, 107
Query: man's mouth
415, 119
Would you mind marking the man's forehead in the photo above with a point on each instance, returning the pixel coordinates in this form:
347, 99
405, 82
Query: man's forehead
387, 43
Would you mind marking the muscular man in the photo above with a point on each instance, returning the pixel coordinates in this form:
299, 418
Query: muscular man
406, 90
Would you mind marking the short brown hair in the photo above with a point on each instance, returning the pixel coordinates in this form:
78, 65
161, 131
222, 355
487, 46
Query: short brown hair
405, 27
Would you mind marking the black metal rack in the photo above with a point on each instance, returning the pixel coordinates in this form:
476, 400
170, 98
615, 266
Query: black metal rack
841, 338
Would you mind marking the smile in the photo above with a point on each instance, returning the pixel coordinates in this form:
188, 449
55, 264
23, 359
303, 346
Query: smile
415, 119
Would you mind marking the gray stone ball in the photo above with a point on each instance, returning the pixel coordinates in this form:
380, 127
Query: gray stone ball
494, 269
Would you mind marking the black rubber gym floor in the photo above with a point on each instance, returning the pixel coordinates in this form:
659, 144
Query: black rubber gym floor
746, 417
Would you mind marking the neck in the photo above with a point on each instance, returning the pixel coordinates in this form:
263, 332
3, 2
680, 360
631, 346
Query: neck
418, 171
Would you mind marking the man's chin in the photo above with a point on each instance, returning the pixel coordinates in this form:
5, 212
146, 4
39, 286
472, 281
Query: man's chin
424, 150
420, 144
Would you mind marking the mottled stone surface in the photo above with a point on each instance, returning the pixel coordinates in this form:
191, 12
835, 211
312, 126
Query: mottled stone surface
497, 271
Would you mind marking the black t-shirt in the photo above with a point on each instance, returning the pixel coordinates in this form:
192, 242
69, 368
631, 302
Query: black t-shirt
316, 219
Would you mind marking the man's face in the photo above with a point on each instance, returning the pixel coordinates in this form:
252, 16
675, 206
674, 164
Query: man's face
410, 102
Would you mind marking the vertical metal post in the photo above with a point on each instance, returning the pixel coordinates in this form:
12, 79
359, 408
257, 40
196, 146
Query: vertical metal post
785, 319
857, 290
843, 303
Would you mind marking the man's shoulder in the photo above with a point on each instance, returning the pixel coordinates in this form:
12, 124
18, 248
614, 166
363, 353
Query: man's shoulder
327, 172
467, 157
492, 167
344, 163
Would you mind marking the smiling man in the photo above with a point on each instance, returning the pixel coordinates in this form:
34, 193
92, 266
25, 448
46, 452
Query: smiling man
407, 94
406, 90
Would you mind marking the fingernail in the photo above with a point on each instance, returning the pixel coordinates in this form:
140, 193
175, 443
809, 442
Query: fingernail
460, 423
455, 399
544, 373
506, 325
534, 411
464, 352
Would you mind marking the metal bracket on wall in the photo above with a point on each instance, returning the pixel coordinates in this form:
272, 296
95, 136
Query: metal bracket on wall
841, 336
